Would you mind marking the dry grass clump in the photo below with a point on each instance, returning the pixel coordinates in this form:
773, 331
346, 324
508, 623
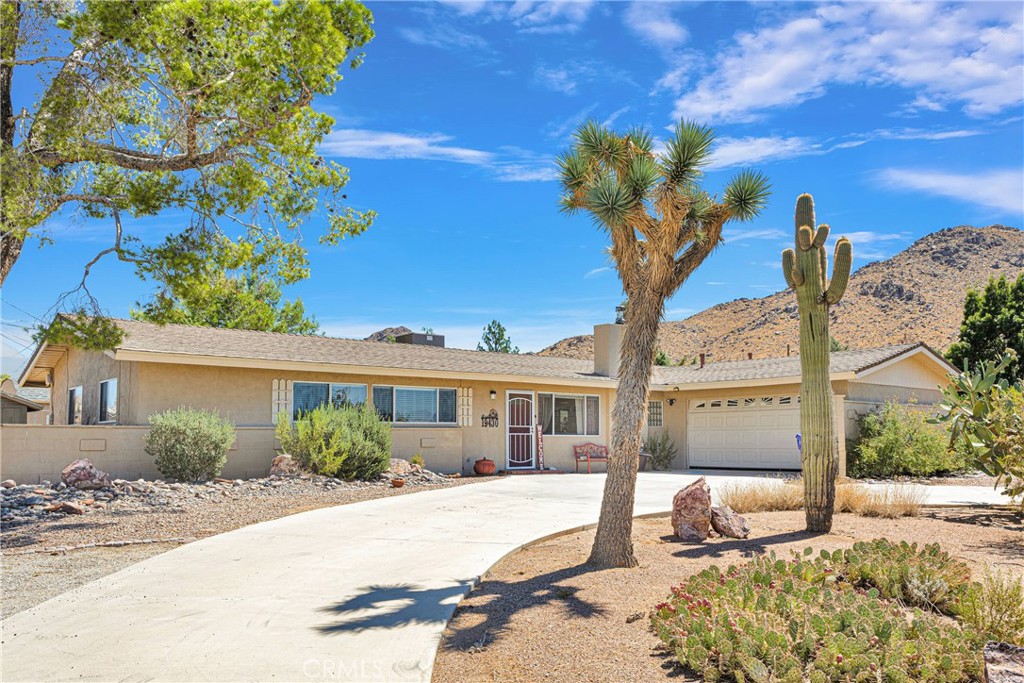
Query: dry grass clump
995, 607
774, 495
762, 495
893, 501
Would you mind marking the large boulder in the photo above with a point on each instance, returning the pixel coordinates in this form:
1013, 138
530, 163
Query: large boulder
1004, 663
691, 512
728, 523
284, 466
82, 474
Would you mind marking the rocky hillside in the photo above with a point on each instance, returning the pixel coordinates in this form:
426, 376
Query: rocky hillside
388, 333
917, 295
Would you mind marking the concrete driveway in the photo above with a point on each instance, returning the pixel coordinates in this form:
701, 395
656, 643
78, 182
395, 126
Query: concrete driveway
359, 592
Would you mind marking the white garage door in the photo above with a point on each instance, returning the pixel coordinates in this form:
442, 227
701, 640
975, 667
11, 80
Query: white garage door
753, 433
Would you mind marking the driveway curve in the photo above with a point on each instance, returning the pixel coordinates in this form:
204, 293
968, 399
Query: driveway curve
359, 592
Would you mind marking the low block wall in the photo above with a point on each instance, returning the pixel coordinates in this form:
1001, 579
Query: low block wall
30, 454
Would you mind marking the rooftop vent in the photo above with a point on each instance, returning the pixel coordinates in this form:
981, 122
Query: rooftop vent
421, 339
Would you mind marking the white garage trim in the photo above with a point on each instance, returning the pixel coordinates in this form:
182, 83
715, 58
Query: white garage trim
744, 433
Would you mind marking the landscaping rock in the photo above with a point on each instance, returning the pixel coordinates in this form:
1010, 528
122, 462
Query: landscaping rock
691, 512
283, 466
1004, 663
69, 508
82, 474
8, 483
399, 467
728, 523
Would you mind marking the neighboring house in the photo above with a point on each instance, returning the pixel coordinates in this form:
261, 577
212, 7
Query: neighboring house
18, 409
454, 406
40, 397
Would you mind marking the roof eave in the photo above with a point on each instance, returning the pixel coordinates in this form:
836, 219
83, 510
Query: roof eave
743, 383
301, 366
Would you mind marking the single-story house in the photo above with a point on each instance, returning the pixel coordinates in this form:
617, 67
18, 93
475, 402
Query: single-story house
453, 406
18, 407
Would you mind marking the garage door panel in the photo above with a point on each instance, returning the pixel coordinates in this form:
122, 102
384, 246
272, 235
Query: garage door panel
755, 434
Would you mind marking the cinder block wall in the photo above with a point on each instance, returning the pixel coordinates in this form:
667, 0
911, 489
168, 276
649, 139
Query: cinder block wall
30, 454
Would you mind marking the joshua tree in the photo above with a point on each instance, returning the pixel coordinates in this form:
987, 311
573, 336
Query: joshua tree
806, 271
662, 226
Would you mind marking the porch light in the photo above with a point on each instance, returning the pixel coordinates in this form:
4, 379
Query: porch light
671, 401
494, 394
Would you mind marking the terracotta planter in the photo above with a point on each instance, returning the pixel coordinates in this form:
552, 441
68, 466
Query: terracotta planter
484, 466
398, 483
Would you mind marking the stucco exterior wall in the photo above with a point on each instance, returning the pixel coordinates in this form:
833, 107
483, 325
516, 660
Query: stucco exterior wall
87, 369
33, 453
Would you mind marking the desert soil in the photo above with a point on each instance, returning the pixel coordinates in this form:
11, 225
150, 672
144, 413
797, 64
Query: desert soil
36, 565
543, 615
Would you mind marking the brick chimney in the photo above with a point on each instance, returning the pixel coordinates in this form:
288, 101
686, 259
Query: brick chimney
607, 347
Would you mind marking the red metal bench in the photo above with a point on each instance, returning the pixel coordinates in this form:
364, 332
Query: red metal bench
589, 452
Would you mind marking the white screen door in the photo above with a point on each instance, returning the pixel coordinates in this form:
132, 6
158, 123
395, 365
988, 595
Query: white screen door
520, 430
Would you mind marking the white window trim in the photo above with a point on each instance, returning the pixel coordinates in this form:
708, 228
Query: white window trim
437, 405
99, 402
554, 395
661, 413
81, 398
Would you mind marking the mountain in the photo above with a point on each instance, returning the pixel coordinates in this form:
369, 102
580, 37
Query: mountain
388, 333
917, 295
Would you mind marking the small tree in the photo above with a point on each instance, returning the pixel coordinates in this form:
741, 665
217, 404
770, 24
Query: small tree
495, 339
662, 225
189, 444
662, 358
993, 322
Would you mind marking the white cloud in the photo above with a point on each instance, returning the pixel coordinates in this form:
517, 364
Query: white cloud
751, 150
999, 189
969, 55
736, 235
376, 144
653, 22
558, 78
444, 37
613, 117
596, 271
525, 173
562, 128
563, 16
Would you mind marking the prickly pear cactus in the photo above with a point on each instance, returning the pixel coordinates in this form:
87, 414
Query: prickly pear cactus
806, 271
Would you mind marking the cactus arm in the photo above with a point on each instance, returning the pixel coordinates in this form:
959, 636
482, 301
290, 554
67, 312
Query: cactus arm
821, 236
804, 211
789, 269
843, 260
804, 238
823, 269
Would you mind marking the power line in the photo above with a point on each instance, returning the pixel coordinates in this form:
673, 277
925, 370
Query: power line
19, 308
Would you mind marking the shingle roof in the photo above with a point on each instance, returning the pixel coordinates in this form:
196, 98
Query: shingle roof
271, 347
771, 368
35, 394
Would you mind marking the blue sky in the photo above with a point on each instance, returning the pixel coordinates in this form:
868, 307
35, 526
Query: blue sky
901, 119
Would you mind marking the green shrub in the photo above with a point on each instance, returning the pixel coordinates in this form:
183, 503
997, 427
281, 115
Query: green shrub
417, 460
189, 444
995, 608
986, 417
899, 440
662, 451
350, 442
772, 620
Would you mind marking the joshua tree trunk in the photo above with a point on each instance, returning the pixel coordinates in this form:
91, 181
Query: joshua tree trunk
806, 270
613, 544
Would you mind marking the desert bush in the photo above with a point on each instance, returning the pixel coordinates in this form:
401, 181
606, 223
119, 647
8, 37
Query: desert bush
900, 440
796, 621
662, 451
417, 460
761, 495
986, 416
892, 501
995, 608
850, 496
189, 444
348, 441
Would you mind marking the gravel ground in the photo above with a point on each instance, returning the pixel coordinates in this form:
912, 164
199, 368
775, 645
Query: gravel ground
542, 614
39, 561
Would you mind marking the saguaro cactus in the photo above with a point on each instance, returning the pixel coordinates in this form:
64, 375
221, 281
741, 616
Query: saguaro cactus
806, 271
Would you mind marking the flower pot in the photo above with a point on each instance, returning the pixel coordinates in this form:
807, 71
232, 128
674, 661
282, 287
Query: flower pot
397, 483
484, 466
